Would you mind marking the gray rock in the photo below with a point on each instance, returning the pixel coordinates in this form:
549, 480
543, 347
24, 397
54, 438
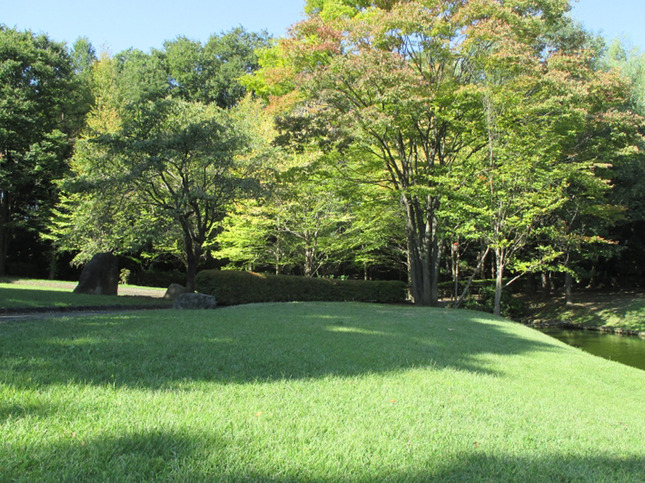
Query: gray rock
100, 276
192, 301
174, 291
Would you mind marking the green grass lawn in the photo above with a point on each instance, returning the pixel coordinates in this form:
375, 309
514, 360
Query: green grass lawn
311, 392
39, 294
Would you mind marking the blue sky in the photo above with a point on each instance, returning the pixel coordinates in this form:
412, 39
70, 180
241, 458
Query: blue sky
118, 24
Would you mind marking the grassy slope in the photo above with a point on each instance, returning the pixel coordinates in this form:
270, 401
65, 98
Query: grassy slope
327, 392
43, 294
618, 310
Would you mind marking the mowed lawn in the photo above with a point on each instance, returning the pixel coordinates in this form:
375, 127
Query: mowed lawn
25, 295
311, 392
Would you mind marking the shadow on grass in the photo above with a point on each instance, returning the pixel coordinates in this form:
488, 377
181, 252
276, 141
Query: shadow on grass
19, 299
244, 344
160, 455
554, 467
136, 456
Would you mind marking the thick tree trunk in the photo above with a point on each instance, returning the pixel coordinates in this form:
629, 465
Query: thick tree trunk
191, 271
424, 252
310, 263
193, 256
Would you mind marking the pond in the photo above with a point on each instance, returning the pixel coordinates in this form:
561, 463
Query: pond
629, 350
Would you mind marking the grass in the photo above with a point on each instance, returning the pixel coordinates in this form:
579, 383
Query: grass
616, 310
41, 294
311, 392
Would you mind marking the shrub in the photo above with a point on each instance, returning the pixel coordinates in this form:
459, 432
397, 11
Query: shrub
510, 306
232, 287
158, 278
124, 276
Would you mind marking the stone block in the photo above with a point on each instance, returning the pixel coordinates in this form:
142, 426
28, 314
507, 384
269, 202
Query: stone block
100, 276
194, 301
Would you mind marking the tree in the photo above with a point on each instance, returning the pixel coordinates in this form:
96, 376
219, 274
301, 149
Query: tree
210, 73
159, 162
627, 172
309, 220
551, 120
400, 81
37, 90
175, 167
369, 70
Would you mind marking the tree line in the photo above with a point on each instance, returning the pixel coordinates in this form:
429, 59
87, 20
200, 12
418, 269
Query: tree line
439, 141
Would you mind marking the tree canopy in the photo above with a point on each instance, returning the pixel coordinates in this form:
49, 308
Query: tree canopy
39, 113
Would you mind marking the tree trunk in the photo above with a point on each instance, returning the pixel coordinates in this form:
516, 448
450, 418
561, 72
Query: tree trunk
420, 273
52, 264
193, 256
423, 253
454, 252
435, 263
545, 282
499, 280
4, 231
191, 273
309, 262
466, 290
568, 282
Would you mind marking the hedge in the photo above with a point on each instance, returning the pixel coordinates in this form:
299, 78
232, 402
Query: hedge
230, 287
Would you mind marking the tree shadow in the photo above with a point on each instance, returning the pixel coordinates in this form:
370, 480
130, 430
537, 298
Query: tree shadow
136, 456
167, 455
22, 300
554, 467
10, 410
246, 344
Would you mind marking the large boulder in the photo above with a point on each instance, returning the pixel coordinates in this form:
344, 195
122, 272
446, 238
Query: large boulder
100, 276
174, 291
192, 301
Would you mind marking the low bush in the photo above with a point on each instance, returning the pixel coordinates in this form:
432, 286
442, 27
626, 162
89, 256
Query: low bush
232, 287
157, 278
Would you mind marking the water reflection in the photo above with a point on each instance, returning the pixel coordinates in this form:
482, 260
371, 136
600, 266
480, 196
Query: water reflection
627, 350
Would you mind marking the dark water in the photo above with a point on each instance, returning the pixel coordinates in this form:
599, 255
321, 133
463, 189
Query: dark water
629, 350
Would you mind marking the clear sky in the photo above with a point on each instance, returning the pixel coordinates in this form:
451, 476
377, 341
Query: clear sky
115, 25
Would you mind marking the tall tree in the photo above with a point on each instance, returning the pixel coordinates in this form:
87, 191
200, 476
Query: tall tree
210, 73
397, 79
160, 162
176, 169
627, 172
37, 87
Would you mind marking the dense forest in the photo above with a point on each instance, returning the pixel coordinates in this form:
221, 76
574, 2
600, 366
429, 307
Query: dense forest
439, 143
